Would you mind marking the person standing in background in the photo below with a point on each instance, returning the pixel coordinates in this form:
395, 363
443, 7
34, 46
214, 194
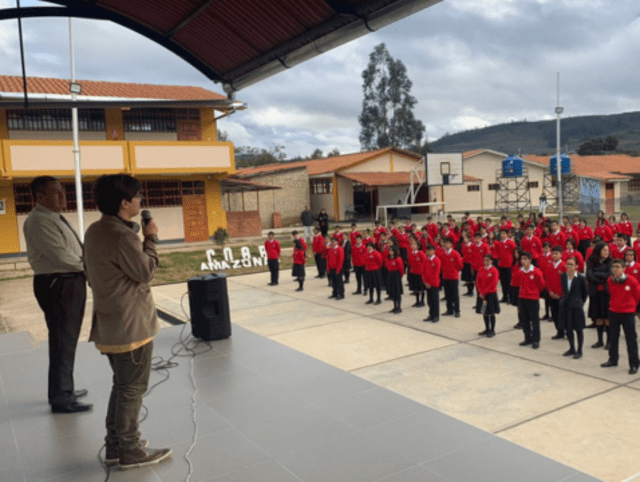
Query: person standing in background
306, 217
272, 247
323, 222
59, 284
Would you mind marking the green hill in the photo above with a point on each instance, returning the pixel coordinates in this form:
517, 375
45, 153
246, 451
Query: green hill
540, 137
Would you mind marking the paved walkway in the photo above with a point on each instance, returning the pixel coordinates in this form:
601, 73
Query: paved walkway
571, 411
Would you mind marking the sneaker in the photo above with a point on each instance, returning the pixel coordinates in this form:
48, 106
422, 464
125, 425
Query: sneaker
112, 453
142, 457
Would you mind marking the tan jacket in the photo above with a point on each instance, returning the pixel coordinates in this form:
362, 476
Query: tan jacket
119, 268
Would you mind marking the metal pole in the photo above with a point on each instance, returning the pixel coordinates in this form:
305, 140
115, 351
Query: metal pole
559, 111
76, 143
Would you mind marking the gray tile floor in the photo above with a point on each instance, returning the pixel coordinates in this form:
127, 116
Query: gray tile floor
265, 413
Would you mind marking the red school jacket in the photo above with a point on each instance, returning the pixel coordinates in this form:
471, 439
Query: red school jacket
487, 280
395, 264
451, 264
531, 283
624, 296
615, 252
566, 254
533, 245
477, 254
335, 258
505, 253
358, 254
318, 244
272, 248
557, 239
431, 271
373, 261
299, 256
416, 259
633, 270
552, 278
604, 232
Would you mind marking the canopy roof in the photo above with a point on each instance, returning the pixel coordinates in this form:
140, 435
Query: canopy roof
239, 42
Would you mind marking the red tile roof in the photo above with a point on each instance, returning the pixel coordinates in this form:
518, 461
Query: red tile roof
614, 166
471, 179
326, 165
388, 178
92, 88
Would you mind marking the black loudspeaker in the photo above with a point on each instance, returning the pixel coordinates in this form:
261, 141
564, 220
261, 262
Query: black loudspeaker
209, 304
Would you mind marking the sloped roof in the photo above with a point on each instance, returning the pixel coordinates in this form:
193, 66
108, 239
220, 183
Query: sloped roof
92, 88
614, 166
326, 165
388, 178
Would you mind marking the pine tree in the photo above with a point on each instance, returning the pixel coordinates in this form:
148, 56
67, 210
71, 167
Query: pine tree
387, 109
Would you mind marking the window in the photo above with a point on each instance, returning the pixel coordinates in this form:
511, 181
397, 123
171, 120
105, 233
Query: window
634, 184
554, 183
473, 187
25, 202
158, 194
494, 187
54, 119
150, 120
321, 186
192, 187
533, 184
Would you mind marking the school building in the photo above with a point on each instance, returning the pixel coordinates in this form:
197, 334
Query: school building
165, 136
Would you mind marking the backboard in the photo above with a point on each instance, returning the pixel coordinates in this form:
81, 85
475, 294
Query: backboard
444, 167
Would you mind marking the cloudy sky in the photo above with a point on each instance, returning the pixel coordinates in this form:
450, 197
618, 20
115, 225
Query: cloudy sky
473, 63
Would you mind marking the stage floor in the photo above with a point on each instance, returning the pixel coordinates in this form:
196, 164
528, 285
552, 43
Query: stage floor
311, 389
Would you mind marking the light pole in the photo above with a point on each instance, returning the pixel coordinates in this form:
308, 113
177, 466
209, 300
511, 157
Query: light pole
559, 111
76, 89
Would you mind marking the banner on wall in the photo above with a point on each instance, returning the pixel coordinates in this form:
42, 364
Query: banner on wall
227, 261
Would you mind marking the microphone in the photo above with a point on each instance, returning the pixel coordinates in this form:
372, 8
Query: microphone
146, 217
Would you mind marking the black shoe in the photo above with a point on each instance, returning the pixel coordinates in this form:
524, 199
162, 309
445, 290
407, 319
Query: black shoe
435, 320
608, 364
378, 302
491, 334
545, 318
592, 325
535, 345
597, 344
484, 333
504, 300
370, 302
300, 289
318, 276
387, 298
392, 311
470, 295
397, 311
557, 336
525, 342
517, 326
607, 346
578, 355
428, 318
346, 282
415, 305
421, 304
447, 313
357, 292
569, 353
457, 315
633, 370
71, 407
271, 284
443, 299
340, 297
333, 296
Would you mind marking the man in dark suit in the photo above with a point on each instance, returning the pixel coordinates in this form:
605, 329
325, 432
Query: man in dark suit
571, 313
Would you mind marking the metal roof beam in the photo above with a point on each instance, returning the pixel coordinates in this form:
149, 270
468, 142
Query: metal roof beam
196, 11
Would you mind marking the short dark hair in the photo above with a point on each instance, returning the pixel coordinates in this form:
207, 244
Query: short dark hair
617, 261
294, 233
557, 249
270, 232
525, 254
40, 183
112, 189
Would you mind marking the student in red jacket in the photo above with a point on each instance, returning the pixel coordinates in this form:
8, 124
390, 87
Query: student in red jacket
272, 247
571, 252
531, 244
478, 250
514, 294
487, 302
618, 247
557, 237
395, 271
372, 276
451, 266
624, 226
354, 232
378, 231
466, 250
505, 262
325, 257
366, 238
358, 253
431, 280
631, 267
545, 261
636, 244
335, 260
432, 228
318, 247
554, 287
625, 295
603, 230
586, 235
416, 261
403, 242
299, 260
531, 284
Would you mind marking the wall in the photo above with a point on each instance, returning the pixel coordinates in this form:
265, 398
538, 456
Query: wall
9, 240
151, 136
383, 163
244, 224
319, 201
58, 135
345, 196
288, 201
402, 163
458, 199
391, 195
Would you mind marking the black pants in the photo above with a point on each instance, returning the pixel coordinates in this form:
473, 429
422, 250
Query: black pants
452, 292
555, 311
505, 281
359, 270
131, 372
321, 264
583, 247
628, 323
433, 301
62, 298
530, 319
274, 269
336, 282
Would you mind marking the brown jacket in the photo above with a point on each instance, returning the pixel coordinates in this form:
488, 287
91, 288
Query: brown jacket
119, 268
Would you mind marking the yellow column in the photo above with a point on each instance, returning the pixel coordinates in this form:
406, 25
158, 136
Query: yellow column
216, 216
208, 132
114, 124
4, 128
336, 199
9, 239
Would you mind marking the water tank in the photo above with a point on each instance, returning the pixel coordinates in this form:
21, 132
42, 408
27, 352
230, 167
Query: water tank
512, 166
565, 163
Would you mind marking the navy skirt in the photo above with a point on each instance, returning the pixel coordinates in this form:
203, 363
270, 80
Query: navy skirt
493, 306
394, 285
467, 274
298, 271
415, 282
372, 279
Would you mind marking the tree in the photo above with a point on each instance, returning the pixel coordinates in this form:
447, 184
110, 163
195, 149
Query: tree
317, 154
222, 135
254, 156
334, 153
597, 145
387, 109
